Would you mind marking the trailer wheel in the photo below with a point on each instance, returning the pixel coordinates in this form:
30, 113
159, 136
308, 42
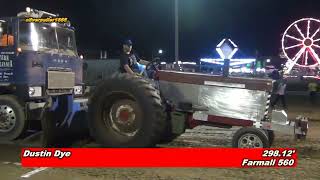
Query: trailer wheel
249, 137
126, 111
12, 118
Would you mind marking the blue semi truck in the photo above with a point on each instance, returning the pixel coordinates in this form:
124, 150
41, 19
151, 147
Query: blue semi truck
42, 90
41, 84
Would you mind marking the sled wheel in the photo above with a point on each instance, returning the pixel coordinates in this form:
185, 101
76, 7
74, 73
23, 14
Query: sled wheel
249, 137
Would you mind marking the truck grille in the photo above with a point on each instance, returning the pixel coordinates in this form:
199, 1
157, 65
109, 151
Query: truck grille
61, 80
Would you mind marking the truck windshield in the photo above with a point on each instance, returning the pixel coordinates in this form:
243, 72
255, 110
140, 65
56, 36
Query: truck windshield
47, 38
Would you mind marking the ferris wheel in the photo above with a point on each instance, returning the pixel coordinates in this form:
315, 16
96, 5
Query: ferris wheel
301, 44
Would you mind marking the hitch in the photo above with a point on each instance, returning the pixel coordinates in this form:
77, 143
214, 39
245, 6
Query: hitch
301, 127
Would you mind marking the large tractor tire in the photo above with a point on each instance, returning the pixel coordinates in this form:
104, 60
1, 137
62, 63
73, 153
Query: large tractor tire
126, 111
12, 118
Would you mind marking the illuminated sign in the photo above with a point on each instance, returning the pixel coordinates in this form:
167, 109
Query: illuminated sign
226, 50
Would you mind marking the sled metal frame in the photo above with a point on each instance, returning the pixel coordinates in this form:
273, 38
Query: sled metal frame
299, 126
189, 87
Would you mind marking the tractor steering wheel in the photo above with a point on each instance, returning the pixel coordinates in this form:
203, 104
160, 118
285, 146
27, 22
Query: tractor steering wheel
153, 67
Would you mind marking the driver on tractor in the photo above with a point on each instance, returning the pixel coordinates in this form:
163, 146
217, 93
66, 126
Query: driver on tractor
130, 62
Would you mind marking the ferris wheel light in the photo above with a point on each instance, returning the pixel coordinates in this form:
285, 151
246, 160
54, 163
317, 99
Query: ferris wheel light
306, 58
294, 46
298, 44
294, 38
315, 33
313, 53
299, 30
295, 59
308, 31
315, 45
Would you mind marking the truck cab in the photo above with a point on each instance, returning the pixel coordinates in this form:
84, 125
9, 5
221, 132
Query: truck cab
39, 64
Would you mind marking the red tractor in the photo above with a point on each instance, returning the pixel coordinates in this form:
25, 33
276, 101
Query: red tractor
131, 111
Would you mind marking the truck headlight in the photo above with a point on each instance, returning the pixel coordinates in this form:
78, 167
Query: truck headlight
78, 90
35, 91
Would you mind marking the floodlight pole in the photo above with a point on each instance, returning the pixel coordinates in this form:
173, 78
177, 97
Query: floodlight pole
176, 7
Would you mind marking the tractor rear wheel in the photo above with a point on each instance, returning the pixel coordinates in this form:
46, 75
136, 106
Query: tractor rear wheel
126, 111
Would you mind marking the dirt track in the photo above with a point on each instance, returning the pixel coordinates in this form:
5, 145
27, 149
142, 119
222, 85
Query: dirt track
308, 164
308, 158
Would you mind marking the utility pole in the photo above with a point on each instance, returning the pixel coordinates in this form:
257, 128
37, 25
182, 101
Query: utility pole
176, 7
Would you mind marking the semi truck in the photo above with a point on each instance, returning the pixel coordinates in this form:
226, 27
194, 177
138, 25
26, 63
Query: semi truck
41, 84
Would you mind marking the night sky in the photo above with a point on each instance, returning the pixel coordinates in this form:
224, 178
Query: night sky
255, 25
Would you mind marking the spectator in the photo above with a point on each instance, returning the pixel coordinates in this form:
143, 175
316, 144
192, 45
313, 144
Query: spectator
312, 86
280, 94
